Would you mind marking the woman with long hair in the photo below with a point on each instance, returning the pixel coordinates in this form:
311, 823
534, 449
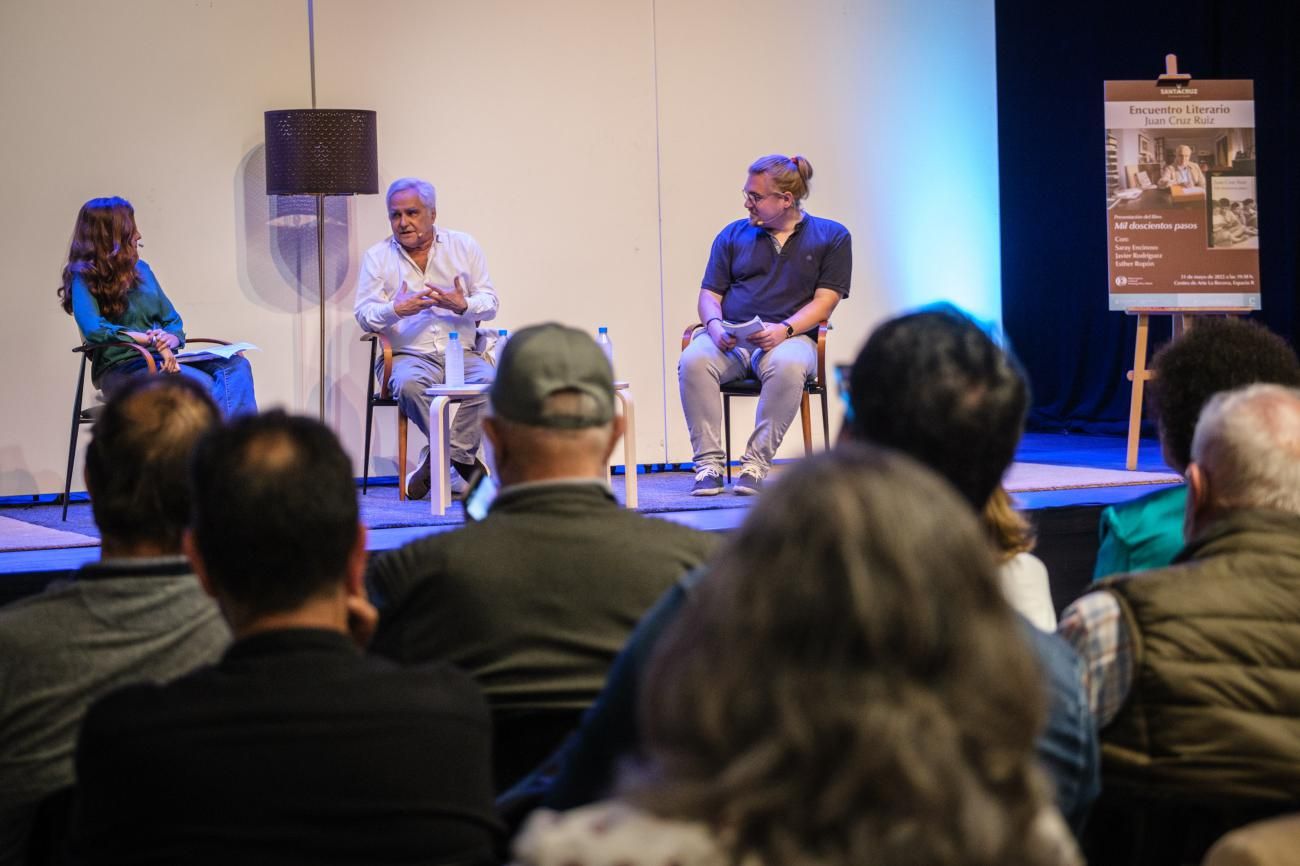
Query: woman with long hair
114, 297
1023, 575
846, 686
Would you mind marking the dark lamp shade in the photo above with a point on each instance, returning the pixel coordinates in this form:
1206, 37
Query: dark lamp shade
326, 151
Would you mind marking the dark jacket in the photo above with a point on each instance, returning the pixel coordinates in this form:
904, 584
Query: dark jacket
1214, 707
296, 748
537, 599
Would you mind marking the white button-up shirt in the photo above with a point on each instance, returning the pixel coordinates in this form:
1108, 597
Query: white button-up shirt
386, 265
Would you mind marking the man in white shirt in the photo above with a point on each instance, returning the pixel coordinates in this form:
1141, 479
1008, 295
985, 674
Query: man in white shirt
417, 288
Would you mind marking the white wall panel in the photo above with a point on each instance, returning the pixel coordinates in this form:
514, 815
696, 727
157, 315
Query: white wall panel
593, 148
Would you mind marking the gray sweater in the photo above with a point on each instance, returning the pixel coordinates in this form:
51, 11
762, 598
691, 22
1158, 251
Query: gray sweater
119, 622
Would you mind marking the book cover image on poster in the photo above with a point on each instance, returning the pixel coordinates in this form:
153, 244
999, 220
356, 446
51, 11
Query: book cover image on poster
1181, 195
1234, 223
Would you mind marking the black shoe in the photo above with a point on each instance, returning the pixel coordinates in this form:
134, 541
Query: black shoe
470, 472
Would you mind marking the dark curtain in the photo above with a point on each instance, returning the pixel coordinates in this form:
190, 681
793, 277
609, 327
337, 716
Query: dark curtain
1052, 60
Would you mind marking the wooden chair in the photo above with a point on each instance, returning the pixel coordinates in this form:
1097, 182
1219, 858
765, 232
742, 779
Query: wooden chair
83, 415
752, 387
378, 343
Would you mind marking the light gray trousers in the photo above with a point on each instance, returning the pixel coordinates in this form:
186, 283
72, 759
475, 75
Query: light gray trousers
783, 372
413, 374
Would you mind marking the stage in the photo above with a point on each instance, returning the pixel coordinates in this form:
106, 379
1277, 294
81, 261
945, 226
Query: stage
1062, 480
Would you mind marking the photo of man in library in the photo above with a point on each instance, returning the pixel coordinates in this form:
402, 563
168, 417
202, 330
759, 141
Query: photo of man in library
1182, 171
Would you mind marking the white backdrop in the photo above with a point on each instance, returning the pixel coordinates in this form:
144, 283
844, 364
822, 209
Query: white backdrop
593, 147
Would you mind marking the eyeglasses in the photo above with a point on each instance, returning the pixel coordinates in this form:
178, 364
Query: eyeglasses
753, 198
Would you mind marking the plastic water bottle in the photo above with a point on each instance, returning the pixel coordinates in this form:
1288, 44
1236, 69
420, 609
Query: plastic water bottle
455, 359
502, 336
606, 345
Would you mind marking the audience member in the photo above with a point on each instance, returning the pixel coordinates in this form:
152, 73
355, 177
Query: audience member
881, 708
1193, 670
137, 614
537, 599
1023, 575
296, 747
956, 402
418, 287
934, 386
1216, 355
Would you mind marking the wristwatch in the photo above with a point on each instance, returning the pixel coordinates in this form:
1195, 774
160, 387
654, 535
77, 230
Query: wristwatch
789, 330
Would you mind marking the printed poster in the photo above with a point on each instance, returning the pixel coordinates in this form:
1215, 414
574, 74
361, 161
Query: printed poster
1181, 199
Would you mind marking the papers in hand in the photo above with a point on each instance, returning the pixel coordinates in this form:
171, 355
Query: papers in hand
207, 352
743, 330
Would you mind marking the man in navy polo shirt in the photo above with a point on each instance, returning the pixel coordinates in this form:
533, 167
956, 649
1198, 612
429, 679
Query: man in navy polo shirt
789, 269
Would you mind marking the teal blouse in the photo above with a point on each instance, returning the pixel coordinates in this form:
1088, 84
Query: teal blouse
146, 307
1142, 533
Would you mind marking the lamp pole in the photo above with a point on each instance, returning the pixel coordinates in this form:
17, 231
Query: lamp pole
319, 152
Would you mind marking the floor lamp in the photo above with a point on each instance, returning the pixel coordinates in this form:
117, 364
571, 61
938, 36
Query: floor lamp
320, 152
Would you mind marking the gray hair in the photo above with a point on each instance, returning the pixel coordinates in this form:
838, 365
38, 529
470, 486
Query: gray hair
1248, 443
428, 195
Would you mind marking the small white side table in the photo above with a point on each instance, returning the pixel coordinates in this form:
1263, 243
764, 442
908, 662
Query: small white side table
440, 440
623, 391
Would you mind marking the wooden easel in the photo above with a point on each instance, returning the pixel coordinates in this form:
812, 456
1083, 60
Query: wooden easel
1183, 321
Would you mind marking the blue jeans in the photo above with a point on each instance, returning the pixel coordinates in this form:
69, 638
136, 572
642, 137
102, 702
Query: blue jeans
230, 382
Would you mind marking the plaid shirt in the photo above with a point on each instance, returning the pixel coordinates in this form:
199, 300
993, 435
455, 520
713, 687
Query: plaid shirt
1094, 627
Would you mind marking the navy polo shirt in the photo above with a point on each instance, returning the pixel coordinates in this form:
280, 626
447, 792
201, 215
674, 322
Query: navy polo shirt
755, 280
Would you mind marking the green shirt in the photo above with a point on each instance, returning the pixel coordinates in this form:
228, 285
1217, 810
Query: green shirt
1142, 533
146, 308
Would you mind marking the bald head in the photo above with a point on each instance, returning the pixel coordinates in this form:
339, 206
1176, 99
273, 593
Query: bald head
1246, 449
136, 464
532, 452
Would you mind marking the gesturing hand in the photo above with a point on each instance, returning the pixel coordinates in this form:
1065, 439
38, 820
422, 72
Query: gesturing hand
409, 303
450, 299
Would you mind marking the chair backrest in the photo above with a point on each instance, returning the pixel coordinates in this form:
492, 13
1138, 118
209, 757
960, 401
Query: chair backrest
379, 342
87, 352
